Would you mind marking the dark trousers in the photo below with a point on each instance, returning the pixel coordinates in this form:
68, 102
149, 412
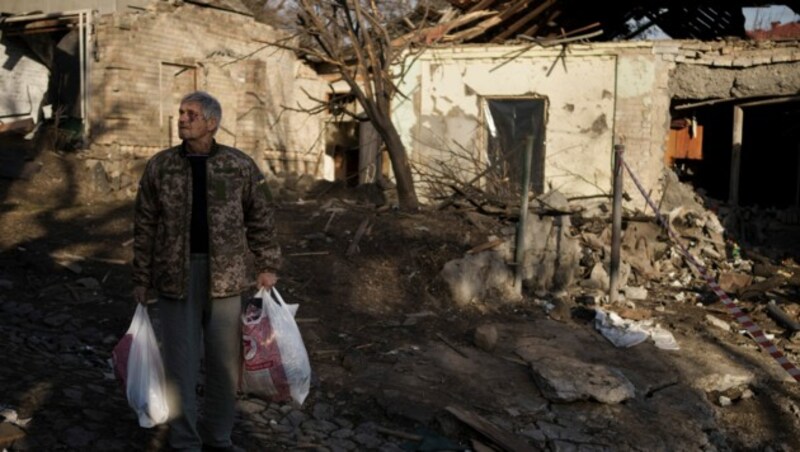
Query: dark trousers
192, 329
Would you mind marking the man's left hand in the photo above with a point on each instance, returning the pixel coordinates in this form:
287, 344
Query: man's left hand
266, 280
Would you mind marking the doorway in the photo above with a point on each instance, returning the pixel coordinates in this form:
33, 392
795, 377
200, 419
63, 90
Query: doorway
510, 123
342, 144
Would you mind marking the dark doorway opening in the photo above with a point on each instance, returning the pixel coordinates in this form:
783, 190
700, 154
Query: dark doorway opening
769, 173
342, 143
510, 123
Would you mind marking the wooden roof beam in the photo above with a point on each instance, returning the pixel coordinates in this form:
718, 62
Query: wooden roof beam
514, 8
474, 32
531, 31
481, 5
533, 14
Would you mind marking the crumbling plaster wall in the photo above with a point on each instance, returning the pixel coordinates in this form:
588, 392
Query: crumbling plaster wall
146, 61
593, 93
23, 84
735, 70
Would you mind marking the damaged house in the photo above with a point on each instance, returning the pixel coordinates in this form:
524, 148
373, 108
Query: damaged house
722, 112
110, 77
486, 77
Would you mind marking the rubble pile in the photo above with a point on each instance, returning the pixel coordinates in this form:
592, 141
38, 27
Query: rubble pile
417, 337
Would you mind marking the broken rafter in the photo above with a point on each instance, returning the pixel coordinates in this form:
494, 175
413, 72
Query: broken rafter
439, 32
474, 32
483, 4
535, 27
554, 42
514, 8
533, 14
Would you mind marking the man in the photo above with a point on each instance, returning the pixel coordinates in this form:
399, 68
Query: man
199, 208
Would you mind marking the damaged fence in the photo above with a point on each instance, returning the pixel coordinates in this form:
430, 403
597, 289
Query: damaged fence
740, 316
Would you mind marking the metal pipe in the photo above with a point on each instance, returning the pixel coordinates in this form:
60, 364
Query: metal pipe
87, 64
81, 58
519, 252
616, 225
54, 15
736, 155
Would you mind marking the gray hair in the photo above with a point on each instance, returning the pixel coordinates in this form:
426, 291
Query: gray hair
208, 104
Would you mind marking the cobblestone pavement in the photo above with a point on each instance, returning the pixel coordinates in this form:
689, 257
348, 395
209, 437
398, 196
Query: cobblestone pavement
59, 390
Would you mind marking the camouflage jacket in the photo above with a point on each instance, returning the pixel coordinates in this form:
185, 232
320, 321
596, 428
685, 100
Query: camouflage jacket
240, 217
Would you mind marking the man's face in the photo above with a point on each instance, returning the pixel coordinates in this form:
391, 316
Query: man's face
191, 123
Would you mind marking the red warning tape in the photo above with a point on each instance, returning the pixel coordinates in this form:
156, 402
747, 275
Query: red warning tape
741, 317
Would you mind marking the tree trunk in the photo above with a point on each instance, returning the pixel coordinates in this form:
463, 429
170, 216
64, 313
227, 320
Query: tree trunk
406, 194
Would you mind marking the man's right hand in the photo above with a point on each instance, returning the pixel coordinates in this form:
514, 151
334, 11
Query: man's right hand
140, 294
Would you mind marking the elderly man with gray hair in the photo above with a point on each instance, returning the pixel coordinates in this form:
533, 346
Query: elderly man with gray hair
201, 206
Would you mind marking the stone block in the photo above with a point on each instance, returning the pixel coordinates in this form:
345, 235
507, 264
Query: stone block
486, 337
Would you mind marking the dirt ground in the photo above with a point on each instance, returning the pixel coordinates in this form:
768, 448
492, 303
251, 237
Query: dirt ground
386, 343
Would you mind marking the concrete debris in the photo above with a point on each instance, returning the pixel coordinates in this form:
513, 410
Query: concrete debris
486, 337
719, 323
732, 281
635, 293
551, 263
568, 380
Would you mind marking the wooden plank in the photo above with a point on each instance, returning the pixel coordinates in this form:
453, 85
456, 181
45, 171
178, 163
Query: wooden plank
514, 8
434, 33
533, 29
682, 145
359, 232
461, 21
506, 440
474, 32
533, 14
480, 6
782, 318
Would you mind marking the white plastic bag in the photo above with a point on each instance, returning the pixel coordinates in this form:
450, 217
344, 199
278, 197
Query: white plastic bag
276, 363
137, 362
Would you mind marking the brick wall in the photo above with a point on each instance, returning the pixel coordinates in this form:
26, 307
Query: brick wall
642, 115
147, 60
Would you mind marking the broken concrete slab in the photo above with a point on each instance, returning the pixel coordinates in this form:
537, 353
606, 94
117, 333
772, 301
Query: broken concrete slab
635, 293
569, 380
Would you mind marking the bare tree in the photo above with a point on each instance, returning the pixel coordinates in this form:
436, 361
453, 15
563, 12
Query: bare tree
351, 36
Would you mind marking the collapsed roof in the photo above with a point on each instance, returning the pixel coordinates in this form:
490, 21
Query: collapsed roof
497, 21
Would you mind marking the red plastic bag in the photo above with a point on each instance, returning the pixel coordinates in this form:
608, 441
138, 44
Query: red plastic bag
119, 357
276, 363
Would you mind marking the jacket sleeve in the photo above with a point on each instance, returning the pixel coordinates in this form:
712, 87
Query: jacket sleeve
144, 227
259, 221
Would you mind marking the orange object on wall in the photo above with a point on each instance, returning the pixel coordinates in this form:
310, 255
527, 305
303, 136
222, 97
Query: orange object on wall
685, 141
